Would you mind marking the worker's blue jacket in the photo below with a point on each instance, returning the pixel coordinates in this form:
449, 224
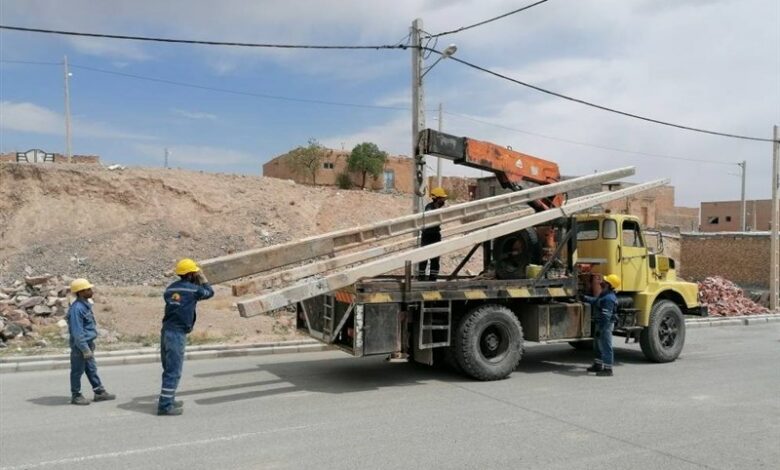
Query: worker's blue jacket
180, 300
604, 306
81, 325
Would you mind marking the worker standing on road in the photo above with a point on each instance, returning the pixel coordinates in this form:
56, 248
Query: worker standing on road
432, 235
180, 298
604, 308
83, 331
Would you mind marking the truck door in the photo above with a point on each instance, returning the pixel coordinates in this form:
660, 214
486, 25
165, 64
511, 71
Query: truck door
633, 257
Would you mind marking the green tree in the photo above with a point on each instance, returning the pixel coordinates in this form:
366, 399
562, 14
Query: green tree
367, 159
306, 161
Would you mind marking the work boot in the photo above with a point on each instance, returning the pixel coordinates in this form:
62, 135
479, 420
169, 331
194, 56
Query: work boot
178, 404
104, 396
604, 373
595, 368
79, 400
170, 412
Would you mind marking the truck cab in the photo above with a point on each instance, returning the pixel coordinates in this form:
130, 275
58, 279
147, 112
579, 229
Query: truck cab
652, 299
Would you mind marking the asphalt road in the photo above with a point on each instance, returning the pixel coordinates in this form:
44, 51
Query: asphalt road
718, 406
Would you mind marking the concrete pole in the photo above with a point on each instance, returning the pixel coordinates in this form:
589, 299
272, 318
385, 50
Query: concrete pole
418, 117
743, 219
66, 74
167, 153
774, 275
438, 160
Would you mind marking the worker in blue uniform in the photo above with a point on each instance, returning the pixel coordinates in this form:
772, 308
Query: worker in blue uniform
181, 297
604, 311
82, 330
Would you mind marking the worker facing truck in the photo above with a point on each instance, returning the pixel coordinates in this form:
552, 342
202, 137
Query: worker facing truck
180, 297
604, 310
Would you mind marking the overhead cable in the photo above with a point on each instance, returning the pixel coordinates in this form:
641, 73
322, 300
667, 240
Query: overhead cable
605, 108
192, 41
464, 28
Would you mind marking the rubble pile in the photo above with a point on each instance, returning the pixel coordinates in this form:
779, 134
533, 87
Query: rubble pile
723, 298
29, 304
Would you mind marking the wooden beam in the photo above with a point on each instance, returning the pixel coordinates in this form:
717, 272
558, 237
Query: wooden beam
246, 263
296, 293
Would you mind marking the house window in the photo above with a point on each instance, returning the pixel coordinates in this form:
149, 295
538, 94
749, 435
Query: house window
728, 218
713, 220
328, 165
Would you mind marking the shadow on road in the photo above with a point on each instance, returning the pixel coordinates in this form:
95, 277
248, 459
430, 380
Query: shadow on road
354, 375
50, 401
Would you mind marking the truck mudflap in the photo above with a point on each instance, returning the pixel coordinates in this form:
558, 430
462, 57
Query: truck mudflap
700, 310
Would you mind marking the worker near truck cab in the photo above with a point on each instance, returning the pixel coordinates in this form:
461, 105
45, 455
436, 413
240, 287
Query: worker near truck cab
181, 297
82, 330
604, 308
430, 235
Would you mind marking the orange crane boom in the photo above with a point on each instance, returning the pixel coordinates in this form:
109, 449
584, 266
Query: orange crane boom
514, 170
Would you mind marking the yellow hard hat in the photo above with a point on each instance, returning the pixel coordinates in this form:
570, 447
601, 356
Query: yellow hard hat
438, 192
78, 285
613, 280
186, 266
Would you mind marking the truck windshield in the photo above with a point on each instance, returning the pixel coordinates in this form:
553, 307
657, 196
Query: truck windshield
588, 230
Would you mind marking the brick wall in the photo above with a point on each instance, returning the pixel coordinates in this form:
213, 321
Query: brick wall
726, 216
457, 187
742, 258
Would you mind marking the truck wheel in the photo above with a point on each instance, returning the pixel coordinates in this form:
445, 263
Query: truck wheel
664, 337
584, 345
489, 342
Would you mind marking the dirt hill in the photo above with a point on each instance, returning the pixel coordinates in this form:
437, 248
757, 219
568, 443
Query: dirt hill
127, 227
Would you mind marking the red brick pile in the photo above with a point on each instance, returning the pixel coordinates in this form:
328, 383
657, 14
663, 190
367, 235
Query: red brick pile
723, 298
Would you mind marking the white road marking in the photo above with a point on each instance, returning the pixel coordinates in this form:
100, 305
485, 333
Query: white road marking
146, 450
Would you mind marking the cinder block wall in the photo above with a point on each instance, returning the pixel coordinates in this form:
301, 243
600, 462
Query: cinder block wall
741, 258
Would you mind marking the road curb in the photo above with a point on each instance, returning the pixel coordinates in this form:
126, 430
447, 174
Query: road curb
150, 355
743, 320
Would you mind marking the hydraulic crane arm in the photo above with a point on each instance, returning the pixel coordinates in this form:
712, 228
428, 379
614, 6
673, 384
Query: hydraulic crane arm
514, 170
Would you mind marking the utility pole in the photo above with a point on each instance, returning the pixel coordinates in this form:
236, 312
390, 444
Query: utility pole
166, 157
438, 160
774, 275
743, 220
66, 74
418, 116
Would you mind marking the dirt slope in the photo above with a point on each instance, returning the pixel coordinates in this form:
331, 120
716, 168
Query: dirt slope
127, 227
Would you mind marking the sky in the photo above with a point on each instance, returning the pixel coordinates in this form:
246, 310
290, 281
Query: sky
713, 64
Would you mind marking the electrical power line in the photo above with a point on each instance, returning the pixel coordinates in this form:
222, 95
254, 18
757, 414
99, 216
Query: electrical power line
604, 108
191, 41
215, 89
464, 28
361, 105
588, 144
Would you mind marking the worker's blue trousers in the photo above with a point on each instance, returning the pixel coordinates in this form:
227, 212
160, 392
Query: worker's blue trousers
79, 365
172, 356
602, 346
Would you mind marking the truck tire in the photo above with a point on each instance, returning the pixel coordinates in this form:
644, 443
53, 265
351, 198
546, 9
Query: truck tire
664, 337
584, 345
489, 342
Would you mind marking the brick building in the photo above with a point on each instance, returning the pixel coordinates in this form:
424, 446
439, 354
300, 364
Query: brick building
740, 257
397, 174
655, 208
726, 216
40, 156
